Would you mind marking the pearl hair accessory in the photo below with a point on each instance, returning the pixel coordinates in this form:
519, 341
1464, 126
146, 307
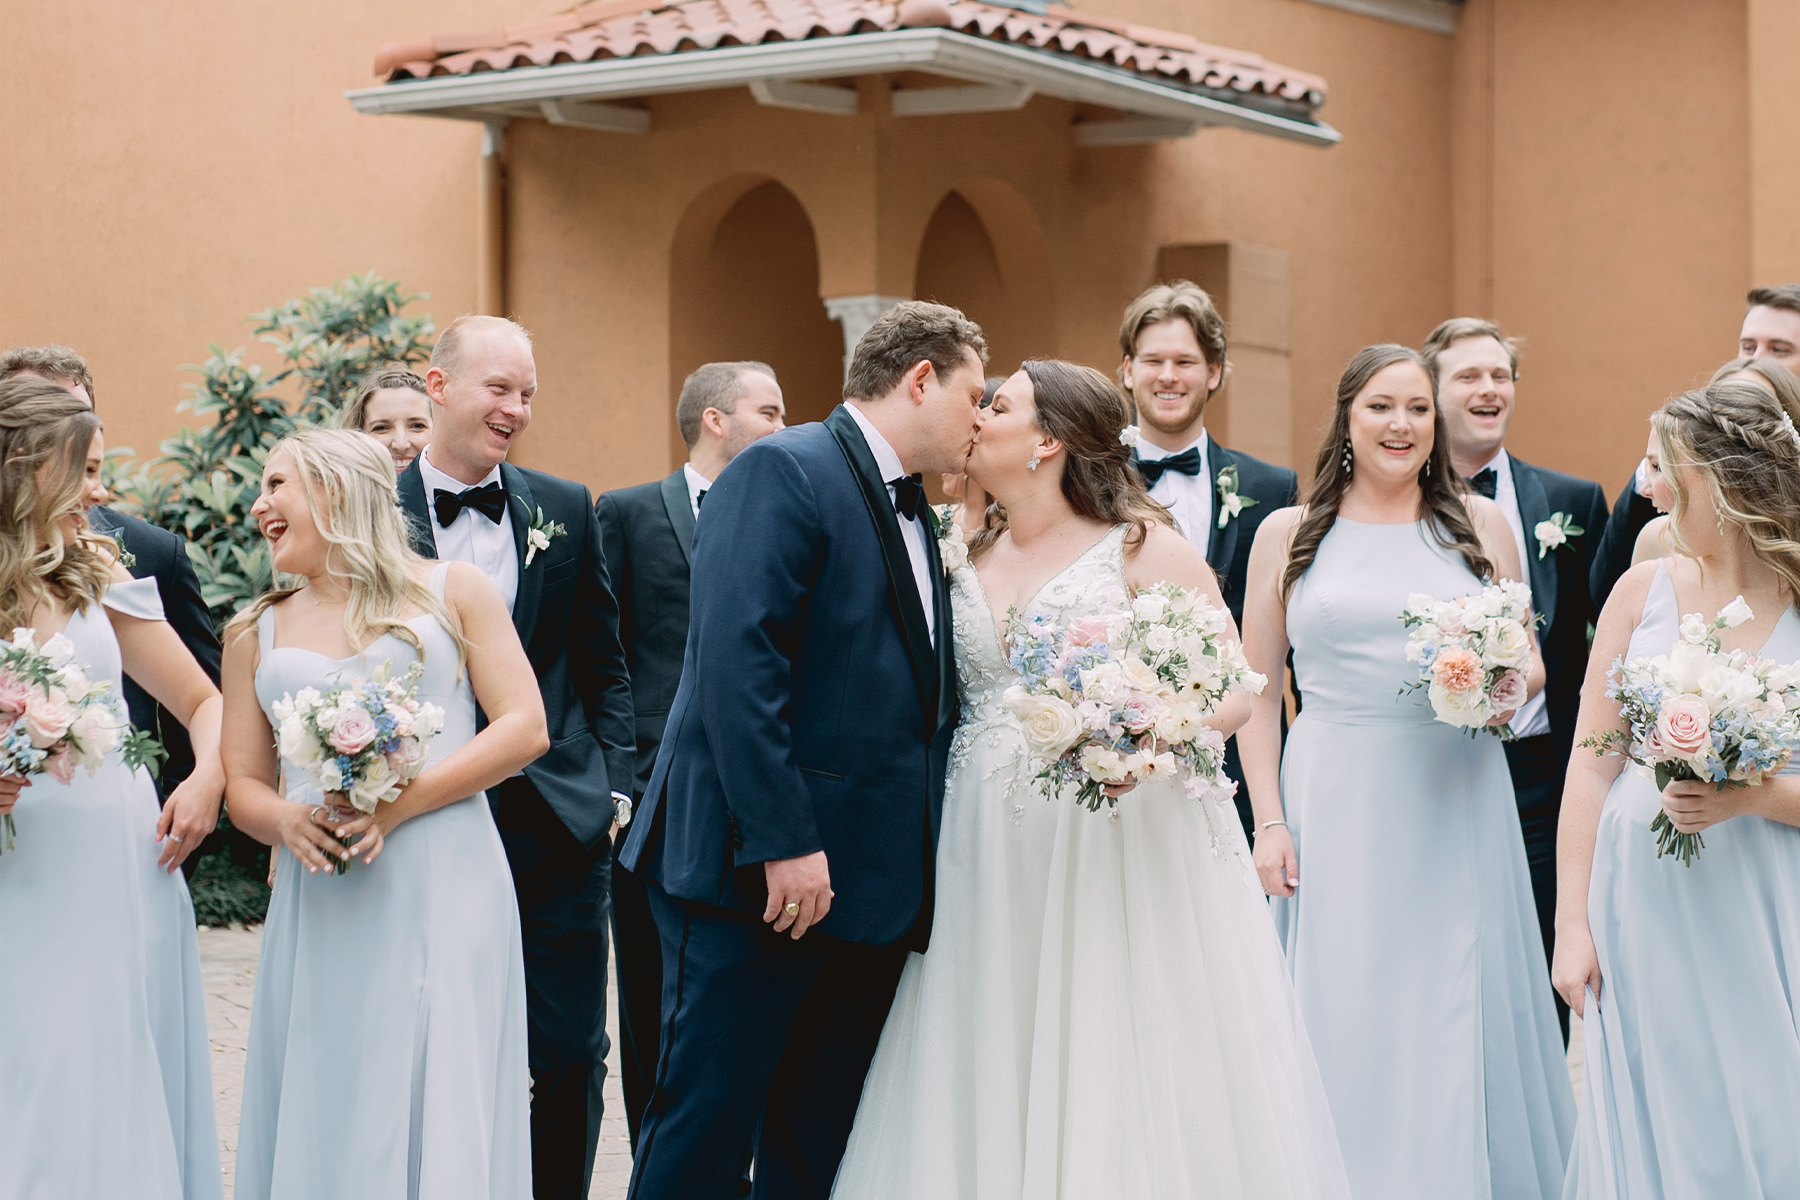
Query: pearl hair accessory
1793, 434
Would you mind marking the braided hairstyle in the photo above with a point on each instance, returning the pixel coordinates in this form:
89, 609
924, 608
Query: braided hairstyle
44, 438
1748, 450
1085, 411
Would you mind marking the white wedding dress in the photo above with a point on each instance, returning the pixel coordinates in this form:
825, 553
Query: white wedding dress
1104, 1011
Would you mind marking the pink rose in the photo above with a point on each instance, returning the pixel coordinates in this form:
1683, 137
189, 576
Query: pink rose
14, 692
407, 759
1507, 693
1651, 749
1089, 630
355, 729
61, 765
48, 718
1684, 726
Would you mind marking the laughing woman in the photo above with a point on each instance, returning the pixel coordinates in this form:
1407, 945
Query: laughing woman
1413, 939
387, 1048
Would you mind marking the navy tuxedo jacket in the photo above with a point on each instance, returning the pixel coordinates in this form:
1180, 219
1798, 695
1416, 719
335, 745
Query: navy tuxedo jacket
159, 554
568, 622
814, 711
1228, 549
647, 534
1612, 558
1560, 589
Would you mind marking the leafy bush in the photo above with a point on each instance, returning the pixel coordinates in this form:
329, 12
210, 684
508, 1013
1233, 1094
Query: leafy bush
204, 483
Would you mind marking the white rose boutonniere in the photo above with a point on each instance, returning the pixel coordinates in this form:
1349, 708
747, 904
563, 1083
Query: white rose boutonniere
538, 535
1556, 532
953, 547
1231, 503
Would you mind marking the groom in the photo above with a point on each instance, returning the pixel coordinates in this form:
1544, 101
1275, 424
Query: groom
788, 832
536, 537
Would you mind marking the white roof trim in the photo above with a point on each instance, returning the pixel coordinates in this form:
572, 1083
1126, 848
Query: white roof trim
1439, 16
936, 51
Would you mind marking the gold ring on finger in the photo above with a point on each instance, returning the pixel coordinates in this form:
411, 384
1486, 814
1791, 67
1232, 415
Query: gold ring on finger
792, 909
316, 810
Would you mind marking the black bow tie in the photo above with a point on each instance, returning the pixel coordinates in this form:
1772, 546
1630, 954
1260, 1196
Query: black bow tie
1486, 481
1153, 469
489, 500
909, 496
699, 499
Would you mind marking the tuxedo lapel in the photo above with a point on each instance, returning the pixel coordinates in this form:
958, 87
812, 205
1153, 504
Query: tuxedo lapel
418, 511
1534, 508
681, 512
904, 590
1221, 544
523, 510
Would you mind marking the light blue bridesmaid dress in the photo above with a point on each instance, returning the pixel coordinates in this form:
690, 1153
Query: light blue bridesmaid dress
387, 1054
105, 1066
1412, 936
1693, 1059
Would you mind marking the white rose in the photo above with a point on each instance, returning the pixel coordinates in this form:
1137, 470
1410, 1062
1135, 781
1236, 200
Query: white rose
1149, 607
1160, 639
1694, 629
1735, 613
1103, 765
60, 649
1467, 709
378, 782
1141, 676
1549, 534
297, 744
428, 722
538, 538
1106, 683
1506, 646
1051, 725
23, 638
954, 552
74, 683
1688, 665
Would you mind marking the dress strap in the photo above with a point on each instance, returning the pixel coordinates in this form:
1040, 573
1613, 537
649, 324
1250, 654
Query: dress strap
265, 633
439, 574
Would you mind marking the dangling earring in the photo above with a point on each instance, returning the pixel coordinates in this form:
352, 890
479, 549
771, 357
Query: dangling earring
1349, 459
1427, 474
1032, 465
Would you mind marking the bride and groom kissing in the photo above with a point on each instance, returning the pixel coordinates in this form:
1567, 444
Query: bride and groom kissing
1104, 1008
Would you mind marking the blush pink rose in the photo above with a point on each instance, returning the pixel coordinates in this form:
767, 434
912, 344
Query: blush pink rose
61, 765
14, 692
1457, 670
355, 729
48, 719
1089, 630
1508, 692
1684, 726
407, 759
1652, 748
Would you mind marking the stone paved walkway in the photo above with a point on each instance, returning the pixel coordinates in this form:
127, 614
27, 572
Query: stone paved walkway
228, 957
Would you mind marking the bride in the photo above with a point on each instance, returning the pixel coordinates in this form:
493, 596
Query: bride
1104, 1009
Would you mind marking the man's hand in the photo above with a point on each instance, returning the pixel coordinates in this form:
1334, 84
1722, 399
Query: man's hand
190, 813
799, 893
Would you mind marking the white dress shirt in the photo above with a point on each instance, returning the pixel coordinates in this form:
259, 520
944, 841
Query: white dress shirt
912, 532
696, 483
472, 538
1534, 718
1189, 498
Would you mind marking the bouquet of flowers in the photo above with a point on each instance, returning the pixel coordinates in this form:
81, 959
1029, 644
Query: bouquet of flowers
53, 718
1119, 697
361, 743
1472, 652
1699, 713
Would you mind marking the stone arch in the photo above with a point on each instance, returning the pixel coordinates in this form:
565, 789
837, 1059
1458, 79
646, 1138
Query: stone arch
984, 251
744, 284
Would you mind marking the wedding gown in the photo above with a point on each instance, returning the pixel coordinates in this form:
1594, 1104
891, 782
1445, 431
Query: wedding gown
105, 1066
1693, 1057
1103, 1011
387, 1052
1413, 936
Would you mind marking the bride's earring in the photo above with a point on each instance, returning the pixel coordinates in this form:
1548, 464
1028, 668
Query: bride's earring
1349, 459
1033, 464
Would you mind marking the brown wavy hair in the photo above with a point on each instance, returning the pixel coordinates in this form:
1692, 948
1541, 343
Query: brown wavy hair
379, 379
1441, 489
1735, 435
1780, 380
44, 438
1085, 411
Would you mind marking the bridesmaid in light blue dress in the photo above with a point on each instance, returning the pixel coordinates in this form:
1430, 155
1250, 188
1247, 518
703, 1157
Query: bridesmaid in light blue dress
105, 1066
387, 1052
1686, 977
1391, 840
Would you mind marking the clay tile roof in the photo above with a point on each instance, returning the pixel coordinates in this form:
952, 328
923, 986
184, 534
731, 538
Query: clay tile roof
605, 29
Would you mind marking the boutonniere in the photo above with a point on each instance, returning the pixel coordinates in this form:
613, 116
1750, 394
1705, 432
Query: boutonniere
538, 535
953, 548
1555, 532
127, 559
1231, 503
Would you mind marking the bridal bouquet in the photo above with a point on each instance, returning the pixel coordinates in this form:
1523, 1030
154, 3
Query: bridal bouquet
361, 743
1119, 697
1699, 713
53, 718
1473, 653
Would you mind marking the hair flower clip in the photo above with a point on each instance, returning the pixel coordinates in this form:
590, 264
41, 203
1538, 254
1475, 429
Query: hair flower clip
1129, 435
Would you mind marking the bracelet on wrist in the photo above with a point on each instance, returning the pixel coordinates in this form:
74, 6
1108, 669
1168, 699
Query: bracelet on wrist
1269, 824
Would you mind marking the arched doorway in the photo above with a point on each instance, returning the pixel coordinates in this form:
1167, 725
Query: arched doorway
744, 284
990, 264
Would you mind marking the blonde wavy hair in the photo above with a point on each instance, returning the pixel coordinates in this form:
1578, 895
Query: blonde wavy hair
1746, 447
347, 479
44, 438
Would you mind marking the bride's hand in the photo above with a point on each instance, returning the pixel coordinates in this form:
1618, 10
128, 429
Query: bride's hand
372, 835
307, 832
10, 786
1575, 967
1276, 863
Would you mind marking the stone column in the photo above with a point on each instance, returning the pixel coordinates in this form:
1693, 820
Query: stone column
856, 314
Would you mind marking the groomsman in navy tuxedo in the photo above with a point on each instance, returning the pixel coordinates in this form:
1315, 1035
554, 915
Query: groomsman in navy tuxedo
1173, 340
1556, 521
647, 534
1771, 329
147, 552
789, 829
536, 537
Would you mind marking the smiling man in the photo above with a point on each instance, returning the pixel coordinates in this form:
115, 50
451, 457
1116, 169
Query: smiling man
536, 537
1556, 521
1173, 342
